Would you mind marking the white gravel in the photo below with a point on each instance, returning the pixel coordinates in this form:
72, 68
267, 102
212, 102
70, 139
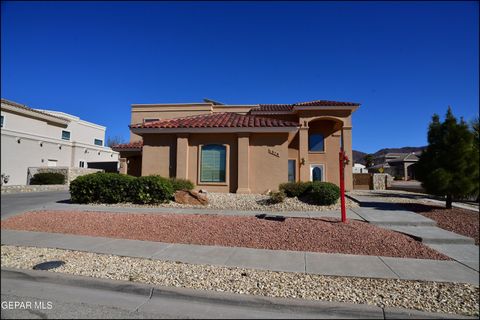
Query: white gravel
251, 202
426, 296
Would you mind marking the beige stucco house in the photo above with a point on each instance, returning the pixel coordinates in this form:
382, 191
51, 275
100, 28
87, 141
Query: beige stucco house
400, 165
35, 138
239, 148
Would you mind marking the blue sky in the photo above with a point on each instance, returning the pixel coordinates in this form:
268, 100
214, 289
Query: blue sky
402, 60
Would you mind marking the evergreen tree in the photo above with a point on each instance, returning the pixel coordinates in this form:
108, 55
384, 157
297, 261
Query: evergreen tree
449, 165
368, 158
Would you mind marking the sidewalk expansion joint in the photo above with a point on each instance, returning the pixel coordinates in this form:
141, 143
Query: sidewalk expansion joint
463, 264
305, 261
389, 269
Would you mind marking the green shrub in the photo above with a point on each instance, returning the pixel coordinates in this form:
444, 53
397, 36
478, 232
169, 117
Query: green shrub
181, 184
47, 178
295, 189
276, 197
324, 193
101, 188
151, 190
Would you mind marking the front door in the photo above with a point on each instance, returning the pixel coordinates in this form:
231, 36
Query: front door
316, 172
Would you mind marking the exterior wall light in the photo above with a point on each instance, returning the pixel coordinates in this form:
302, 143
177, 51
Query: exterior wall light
4, 178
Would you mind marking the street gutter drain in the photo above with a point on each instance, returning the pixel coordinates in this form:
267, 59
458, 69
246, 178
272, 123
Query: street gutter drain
48, 265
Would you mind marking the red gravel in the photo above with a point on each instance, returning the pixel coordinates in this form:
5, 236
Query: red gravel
320, 235
461, 221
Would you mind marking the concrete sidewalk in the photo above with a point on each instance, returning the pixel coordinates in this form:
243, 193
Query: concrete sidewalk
274, 260
394, 217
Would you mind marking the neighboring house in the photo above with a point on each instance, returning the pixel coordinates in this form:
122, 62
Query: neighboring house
239, 148
400, 165
41, 138
359, 168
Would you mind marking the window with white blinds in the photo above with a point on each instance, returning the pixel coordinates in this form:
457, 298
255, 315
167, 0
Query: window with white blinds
213, 163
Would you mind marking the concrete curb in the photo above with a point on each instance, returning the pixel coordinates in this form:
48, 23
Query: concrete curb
339, 309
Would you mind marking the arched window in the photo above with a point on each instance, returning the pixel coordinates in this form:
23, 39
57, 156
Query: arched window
315, 142
317, 174
213, 163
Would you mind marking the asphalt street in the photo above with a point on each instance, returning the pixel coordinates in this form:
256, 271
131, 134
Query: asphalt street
16, 203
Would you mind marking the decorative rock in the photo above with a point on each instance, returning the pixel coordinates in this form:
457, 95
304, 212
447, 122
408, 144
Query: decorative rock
454, 298
190, 197
242, 201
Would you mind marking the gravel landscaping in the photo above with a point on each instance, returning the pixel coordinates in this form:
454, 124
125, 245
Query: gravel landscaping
461, 221
300, 234
253, 202
452, 298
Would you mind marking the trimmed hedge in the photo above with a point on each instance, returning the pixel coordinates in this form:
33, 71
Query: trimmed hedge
114, 188
47, 178
181, 184
324, 193
316, 192
295, 189
101, 187
151, 190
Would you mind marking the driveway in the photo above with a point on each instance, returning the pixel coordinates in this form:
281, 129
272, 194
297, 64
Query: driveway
16, 203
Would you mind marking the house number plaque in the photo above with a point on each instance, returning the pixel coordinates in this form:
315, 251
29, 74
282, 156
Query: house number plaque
273, 152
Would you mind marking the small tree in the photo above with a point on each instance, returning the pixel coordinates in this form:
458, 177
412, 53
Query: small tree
111, 141
368, 158
449, 165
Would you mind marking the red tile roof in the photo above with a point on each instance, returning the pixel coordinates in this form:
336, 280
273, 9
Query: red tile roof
130, 145
217, 120
289, 107
327, 103
274, 107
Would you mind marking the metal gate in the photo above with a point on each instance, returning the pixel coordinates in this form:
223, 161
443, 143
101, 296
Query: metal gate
363, 181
